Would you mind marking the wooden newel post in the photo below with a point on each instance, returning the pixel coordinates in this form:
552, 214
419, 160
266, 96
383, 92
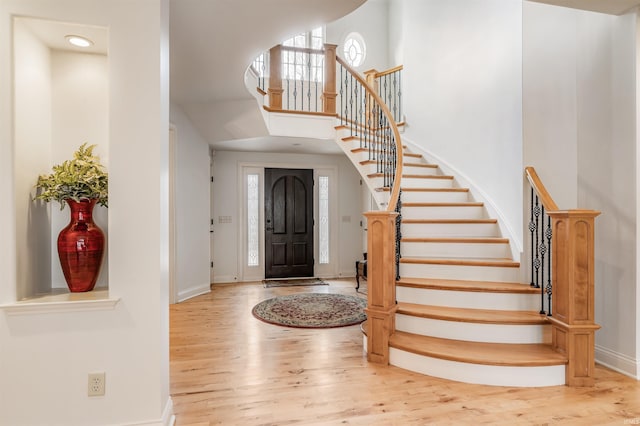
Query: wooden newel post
370, 77
329, 90
573, 317
381, 284
275, 77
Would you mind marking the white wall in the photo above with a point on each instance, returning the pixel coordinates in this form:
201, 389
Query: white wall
580, 134
32, 157
462, 90
549, 92
80, 113
192, 208
371, 21
226, 203
45, 358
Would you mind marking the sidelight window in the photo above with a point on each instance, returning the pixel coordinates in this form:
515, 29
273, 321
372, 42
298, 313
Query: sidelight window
323, 215
253, 220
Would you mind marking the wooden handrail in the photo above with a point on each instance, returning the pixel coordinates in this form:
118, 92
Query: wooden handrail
395, 191
536, 184
389, 71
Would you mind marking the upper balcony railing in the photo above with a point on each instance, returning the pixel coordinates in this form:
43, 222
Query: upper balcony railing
317, 81
303, 74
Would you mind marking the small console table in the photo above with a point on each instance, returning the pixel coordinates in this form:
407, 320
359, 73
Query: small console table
361, 270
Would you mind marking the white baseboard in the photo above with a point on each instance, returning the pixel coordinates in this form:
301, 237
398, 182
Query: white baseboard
167, 419
618, 362
219, 279
193, 292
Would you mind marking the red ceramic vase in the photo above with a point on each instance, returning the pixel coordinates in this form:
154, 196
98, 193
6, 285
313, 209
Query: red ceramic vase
80, 247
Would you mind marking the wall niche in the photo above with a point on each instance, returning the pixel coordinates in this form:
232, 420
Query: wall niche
61, 100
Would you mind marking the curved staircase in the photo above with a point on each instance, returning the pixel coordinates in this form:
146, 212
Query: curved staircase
458, 308
462, 313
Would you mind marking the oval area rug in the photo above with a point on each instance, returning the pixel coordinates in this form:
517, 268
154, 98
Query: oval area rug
312, 310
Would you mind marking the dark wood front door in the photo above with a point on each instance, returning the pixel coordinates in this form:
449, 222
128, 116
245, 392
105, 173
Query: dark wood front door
288, 223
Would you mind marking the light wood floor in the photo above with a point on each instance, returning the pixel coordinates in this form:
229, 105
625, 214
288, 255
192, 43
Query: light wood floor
229, 368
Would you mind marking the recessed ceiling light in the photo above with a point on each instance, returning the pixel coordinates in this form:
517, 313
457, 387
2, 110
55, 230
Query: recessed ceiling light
79, 41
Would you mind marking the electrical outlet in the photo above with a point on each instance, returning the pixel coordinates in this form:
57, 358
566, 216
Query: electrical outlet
96, 384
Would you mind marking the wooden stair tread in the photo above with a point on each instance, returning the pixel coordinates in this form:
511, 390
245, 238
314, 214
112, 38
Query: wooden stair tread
502, 354
428, 189
374, 175
459, 204
466, 285
489, 262
434, 189
482, 316
411, 176
449, 221
461, 240
431, 166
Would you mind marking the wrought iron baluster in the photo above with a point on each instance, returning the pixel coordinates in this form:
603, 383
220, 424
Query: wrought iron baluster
351, 104
295, 80
532, 228
395, 98
400, 97
367, 123
536, 261
549, 235
542, 248
398, 234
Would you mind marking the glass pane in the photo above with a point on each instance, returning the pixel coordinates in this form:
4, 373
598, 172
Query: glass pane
323, 213
253, 220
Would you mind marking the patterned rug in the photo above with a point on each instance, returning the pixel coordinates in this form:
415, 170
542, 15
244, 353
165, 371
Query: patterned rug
312, 310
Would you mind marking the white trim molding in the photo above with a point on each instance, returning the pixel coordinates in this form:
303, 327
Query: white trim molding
193, 292
618, 362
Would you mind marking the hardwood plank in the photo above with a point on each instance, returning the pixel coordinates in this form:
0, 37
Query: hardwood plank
228, 368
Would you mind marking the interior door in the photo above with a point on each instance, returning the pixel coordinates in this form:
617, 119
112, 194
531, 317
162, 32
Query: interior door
288, 200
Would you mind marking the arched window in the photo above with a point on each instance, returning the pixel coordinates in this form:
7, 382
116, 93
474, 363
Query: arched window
354, 49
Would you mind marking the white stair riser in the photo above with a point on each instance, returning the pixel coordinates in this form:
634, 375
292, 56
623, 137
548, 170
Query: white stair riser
494, 375
460, 272
455, 250
453, 212
450, 230
434, 196
474, 332
469, 299
416, 170
426, 183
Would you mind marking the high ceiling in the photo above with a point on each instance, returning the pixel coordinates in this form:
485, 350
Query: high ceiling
214, 41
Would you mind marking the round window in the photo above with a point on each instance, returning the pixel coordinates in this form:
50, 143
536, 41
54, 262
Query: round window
354, 49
